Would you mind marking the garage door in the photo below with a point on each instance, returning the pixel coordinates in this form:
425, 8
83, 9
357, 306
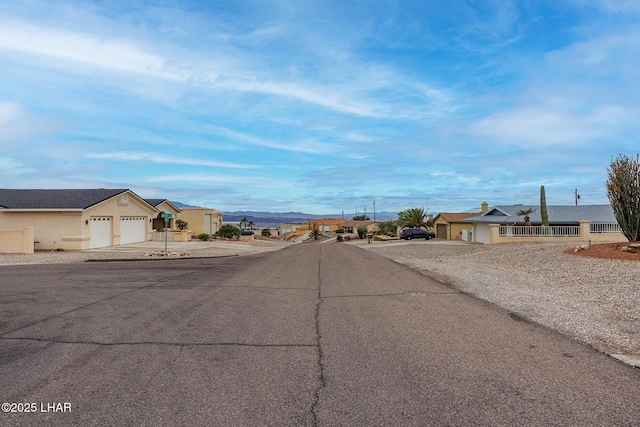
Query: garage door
133, 229
100, 230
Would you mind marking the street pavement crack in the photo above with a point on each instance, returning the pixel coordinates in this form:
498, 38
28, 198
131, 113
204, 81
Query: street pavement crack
407, 293
321, 380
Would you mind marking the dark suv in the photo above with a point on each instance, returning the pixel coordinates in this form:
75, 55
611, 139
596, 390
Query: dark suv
416, 233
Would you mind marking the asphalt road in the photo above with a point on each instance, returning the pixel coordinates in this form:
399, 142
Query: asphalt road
326, 335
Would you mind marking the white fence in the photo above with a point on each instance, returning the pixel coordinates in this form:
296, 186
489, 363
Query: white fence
605, 228
539, 231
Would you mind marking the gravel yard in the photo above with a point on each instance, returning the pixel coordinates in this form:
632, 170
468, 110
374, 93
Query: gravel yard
146, 250
596, 301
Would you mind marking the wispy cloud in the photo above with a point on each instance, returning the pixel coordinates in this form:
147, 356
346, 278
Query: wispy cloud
155, 158
102, 52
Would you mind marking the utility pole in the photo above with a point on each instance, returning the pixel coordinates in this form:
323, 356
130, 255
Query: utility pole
577, 196
374, 211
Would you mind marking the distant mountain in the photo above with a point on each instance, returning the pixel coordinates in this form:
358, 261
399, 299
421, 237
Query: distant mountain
274, 219
181, 205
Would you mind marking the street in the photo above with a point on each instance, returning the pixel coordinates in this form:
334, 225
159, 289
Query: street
311, 335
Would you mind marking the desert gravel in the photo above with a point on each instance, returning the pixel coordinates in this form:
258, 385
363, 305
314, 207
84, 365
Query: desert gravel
595, 301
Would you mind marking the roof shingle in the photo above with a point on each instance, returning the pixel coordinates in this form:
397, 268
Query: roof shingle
55, 199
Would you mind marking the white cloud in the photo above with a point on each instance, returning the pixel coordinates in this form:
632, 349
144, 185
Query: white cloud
154, 158
8, 112
117, 55
545, 125
268, 182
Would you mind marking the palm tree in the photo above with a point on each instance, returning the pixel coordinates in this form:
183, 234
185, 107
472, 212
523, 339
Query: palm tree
413, 218
251, 224
315, 233
526, 213
244, 221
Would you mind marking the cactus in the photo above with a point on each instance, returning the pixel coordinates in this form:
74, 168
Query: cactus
543, 207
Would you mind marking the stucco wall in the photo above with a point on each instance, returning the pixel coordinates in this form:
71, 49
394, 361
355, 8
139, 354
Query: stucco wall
52, 230
70, 230
490, 233
195, 217
17, 241
454, 229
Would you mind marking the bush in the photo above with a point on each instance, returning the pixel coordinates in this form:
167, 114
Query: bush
266, 232
388, 227
339, 238
203, 236
182, 225
229, 231
362, 232
623, 189
339, 230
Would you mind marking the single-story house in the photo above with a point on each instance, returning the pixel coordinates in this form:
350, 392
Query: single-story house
78, 219
290, 229
201, 220
163, 206
579, 223
449, 225
352, 226
325, 225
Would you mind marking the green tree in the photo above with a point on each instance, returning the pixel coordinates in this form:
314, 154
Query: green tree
526, 213
413, 218
360, 218
266, 232
229, 231
251, 224
362, 232
315, 233
182, 225
623, 189
244, 222
388, 227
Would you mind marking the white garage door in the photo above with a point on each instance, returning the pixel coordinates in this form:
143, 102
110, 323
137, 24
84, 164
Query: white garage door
481, 233
100, 230
133, 229
207, 223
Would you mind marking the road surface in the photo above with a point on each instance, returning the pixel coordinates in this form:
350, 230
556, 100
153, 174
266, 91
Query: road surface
312, 335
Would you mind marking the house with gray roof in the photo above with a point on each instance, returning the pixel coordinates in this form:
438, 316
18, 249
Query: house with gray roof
77, 219
564, 222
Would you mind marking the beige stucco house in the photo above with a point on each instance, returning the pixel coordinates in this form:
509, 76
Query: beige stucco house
502, 224
77, 219
163, 206
201, 220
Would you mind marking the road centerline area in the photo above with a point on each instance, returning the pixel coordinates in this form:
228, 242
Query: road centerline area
312, 335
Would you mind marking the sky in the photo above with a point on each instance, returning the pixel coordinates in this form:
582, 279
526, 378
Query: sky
320, 106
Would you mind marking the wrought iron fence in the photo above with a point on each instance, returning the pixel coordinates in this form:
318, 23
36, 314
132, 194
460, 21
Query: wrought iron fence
605, 228
539, 231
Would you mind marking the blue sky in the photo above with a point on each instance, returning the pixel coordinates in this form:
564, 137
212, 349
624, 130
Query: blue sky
320, 106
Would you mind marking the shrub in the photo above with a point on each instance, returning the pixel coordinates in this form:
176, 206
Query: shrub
388, 227
339, 230
362, 232
203, 236
623, 189
229, 231
266, 232
339, 238
182, 225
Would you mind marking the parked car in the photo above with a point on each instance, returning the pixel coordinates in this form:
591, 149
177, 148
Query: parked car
416, 233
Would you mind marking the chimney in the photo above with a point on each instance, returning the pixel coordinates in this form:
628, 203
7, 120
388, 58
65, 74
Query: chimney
485, 207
